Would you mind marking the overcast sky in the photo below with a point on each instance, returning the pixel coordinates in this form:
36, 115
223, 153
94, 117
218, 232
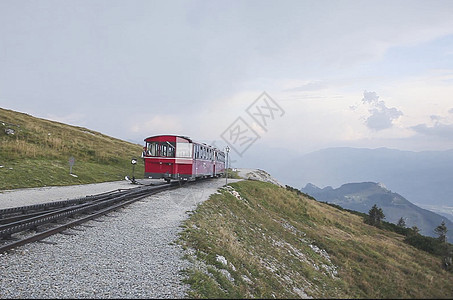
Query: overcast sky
339, 73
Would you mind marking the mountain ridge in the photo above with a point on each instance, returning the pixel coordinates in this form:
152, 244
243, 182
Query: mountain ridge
424, 177
362, 196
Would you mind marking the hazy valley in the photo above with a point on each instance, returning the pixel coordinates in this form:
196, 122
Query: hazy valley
362, 196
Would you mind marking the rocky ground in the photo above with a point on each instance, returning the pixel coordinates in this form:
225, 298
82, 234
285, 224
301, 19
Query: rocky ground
257, 174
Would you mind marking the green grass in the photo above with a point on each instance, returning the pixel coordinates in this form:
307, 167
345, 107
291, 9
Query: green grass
233, 174
38, 153
279, 243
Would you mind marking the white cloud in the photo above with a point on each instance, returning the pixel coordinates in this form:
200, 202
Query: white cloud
438, 129
441, 126
148, 125
192, 69
382, 117
421, 97
310, 85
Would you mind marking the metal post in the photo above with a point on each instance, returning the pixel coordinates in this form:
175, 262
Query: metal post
227, 149
71, 163
133, 162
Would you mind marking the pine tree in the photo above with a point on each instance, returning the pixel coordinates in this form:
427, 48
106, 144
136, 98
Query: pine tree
375, 215
441, 231
415, 230
401, 223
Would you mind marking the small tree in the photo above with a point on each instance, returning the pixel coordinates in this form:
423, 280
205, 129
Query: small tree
375, 215
401, 223
447, 262
415, 229
441, 231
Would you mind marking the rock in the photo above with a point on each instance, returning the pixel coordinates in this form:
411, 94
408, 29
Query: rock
221, 260
10, 131
257, 174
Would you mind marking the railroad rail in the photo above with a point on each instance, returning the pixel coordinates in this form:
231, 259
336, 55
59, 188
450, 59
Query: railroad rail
73, 212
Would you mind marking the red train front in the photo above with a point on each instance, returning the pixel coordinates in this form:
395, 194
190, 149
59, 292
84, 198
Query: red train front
178, 157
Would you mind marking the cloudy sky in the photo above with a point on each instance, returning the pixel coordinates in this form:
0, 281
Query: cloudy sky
336, 73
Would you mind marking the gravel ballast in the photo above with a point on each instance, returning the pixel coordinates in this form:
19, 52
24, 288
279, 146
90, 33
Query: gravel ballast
130, 253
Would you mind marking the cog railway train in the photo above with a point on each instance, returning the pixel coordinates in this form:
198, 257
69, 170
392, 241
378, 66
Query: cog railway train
181, 158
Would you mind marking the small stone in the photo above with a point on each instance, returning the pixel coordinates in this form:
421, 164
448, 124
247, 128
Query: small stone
221, 260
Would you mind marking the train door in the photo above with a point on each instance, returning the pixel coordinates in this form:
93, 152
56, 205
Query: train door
214, 161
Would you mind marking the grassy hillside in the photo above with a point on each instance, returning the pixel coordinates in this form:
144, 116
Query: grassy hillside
362, 196
258, 240
35, 152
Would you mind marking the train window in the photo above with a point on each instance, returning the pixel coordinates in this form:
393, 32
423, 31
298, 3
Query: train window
171, 149
167, 149
163, 150
183, 150
152, 149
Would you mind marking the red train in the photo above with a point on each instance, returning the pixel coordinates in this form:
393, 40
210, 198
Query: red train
179, 157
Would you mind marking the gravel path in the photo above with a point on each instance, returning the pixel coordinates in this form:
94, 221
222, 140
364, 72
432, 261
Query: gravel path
116, 256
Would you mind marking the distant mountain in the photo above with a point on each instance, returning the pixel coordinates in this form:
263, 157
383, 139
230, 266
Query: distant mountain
362, 196
423, 177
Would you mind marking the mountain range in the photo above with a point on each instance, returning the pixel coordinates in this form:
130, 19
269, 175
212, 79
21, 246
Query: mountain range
362, 196
425, 178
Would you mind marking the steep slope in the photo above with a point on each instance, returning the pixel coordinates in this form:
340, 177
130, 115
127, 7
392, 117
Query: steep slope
35, 152
259, 240
362, 196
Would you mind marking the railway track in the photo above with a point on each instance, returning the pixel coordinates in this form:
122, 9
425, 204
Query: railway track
27, 224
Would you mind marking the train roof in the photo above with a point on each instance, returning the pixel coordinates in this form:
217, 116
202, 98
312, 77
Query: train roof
180, 136
184, 137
